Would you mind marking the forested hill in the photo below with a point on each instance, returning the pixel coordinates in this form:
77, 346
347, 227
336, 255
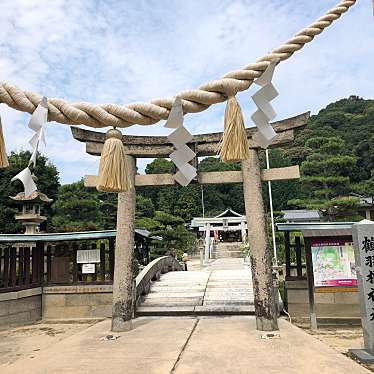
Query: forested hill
336, 155
335, 152
350, 119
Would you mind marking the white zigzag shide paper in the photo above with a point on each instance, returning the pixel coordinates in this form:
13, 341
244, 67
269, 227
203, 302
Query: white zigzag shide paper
26, 178
179, 138
265, 112
37, 120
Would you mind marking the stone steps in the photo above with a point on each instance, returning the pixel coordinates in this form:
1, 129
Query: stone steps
172, 302
204, 310
215, 291
233, 254
227, 250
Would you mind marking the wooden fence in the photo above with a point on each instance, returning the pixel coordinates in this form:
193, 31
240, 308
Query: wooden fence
28, 265
20, 267
294, 257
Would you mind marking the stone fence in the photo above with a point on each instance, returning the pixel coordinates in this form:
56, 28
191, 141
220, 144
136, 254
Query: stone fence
20, 307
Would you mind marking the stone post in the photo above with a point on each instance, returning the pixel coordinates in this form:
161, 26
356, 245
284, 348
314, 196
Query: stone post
363, 240
123, 300
264, 298
367, 214
207, 243
243, 231
201, 253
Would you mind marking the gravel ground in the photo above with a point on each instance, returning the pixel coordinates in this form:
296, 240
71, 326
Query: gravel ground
20, 342
340, 338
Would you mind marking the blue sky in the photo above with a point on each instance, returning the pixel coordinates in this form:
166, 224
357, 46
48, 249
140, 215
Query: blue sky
129, 51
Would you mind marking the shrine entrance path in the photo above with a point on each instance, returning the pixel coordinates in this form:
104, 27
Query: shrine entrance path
223, 287
187, 345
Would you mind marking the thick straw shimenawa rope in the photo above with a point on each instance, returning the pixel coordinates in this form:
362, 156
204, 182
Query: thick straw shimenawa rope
193, 100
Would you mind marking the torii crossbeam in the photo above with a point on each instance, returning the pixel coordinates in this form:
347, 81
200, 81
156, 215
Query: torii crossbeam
203, 145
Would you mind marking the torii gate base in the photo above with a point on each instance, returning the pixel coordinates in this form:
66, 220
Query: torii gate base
251, 176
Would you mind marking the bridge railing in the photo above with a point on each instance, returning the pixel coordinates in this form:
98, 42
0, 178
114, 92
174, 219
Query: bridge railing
152, 272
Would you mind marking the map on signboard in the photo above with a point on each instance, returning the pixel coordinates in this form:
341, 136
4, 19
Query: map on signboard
333, 264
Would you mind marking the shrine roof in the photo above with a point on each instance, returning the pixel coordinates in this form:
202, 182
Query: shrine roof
301, 215
36, 196
229, 213
317, 229
69, 236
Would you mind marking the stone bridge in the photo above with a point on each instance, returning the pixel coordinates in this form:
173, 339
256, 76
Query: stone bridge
224, 287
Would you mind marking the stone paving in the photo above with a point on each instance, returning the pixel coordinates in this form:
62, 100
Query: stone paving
187, 345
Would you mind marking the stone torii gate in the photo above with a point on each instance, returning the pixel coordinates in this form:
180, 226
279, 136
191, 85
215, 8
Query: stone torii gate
250, 175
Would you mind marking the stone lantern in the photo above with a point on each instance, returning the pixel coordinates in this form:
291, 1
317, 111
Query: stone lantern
30, 216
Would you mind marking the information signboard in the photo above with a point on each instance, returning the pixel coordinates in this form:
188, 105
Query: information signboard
333, 263
88, 268
89, 256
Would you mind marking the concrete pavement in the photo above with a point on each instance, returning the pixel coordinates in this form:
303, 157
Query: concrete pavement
188, 345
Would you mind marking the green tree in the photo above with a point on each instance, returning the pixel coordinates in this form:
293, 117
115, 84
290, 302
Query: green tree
160, 166
48, 183
108, 208
77, 209
175, 235
282, 191
155, 193
144, 207
188, 202
218, 197
325, 177
364, 152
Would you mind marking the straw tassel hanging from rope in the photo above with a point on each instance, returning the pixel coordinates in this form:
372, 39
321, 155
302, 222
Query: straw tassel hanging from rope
3, 157
113, 171
234, 146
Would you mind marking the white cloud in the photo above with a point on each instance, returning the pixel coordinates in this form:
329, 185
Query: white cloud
125, 51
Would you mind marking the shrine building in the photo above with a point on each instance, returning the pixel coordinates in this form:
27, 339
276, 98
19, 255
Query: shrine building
223, 234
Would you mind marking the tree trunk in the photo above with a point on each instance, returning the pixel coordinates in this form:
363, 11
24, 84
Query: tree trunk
123, 303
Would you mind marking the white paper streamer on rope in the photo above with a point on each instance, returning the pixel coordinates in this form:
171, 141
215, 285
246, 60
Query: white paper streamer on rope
37, 120
28, 183
265, 112
179, 138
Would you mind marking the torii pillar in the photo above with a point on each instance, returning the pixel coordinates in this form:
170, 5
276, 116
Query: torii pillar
263, 289
123, 284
